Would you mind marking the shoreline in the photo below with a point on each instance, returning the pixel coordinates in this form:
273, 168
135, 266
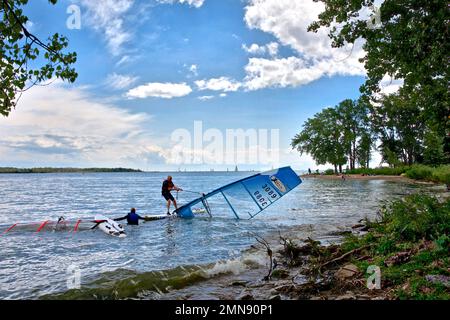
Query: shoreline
292, 278
366, 178
246, 278
355, 177
307, 264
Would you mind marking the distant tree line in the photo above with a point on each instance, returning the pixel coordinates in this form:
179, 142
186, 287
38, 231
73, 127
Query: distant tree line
410, 41
64, 170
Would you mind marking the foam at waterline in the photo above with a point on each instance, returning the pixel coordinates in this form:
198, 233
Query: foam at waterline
237, 265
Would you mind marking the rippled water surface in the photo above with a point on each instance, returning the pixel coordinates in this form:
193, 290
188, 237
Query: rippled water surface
33, 264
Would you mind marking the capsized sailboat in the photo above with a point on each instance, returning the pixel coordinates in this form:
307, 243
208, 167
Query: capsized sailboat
245, 198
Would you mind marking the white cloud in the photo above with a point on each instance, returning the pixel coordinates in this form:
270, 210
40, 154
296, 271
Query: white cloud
160, 90
194, 3
107, 17
124, 60
272, 48
291, 71
223, 95
118, 82
288, 21
219, 84
388, 85
56, 125
205, 98
255, 49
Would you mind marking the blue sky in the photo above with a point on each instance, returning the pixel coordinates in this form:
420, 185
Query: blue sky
148, 68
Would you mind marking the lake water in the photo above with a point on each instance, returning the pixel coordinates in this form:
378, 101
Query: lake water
36, 264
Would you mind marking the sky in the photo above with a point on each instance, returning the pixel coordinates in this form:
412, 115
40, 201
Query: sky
152, 71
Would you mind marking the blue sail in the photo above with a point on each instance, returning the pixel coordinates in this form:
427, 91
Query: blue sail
247, 197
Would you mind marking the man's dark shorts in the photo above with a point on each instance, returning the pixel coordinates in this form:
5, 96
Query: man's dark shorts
168, 196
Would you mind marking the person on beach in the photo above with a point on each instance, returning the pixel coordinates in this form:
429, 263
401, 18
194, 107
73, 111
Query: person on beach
132, 218
168, 186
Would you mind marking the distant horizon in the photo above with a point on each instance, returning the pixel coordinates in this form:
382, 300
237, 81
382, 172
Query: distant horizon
124, 169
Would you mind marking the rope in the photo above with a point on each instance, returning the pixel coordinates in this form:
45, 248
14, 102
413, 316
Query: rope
196, 192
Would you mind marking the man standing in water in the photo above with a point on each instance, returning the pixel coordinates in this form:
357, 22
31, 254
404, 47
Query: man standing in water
168, 186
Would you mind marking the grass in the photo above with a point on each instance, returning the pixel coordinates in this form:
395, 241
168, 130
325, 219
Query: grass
440, 174
418, 225
382, 171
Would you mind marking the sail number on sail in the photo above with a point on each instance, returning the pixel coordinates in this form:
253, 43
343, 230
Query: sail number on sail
270, 194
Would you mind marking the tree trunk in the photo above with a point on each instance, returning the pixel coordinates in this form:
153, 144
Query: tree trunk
410, 158
353, 160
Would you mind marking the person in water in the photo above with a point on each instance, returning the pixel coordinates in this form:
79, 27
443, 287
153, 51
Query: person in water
168, 186
132, 218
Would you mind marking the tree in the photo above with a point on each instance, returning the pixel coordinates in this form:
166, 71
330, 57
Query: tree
355, 130
433, 153
364, 152
19, 48
321, 137
399, 124
337, 135
411, 42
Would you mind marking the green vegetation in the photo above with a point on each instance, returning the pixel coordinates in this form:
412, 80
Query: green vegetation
407, 39
420, 172
338, 135
410, 243
383, 171
407, 245
65, 170
19, 50
440, 174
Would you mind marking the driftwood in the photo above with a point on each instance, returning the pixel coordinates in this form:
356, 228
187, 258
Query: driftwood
344, 256
269, 253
